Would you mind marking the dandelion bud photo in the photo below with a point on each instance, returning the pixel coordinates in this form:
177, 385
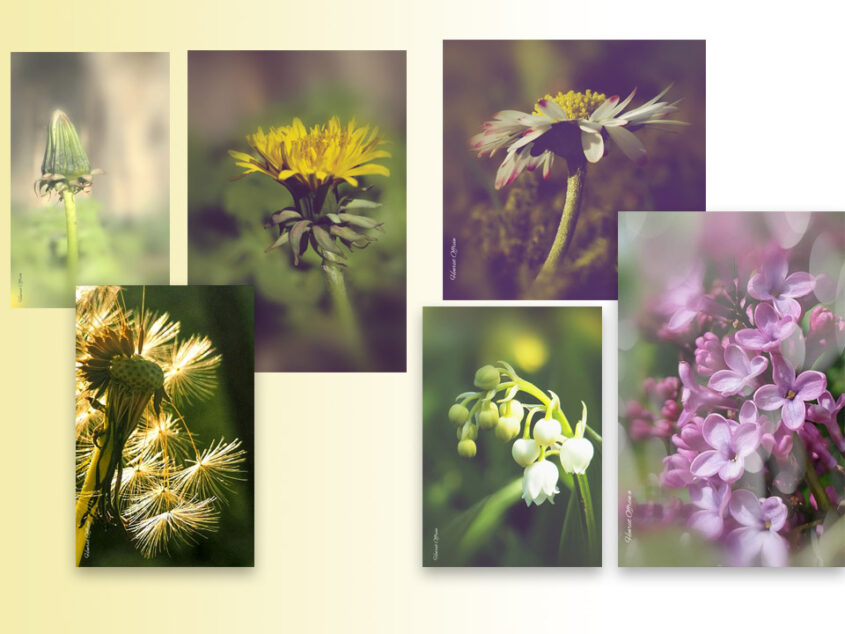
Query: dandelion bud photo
565, 135
90, 187
522, 486
161, 470
731, 379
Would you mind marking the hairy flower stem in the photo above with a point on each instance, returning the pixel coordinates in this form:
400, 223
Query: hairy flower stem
563, 238
72, 241
97, 469
343, 309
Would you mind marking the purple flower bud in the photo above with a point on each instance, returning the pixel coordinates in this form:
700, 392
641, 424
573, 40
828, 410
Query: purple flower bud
709, 354
825, 339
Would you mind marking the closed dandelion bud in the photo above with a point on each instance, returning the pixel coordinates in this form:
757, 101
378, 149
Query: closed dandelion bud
466, 448
486, 378
576, 454
546, 431
65, 165
458, 414
512, 409
468, 431
525, 451
507, 429
488, 417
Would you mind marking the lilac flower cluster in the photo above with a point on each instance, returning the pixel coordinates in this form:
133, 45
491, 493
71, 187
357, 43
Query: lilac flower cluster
749, 421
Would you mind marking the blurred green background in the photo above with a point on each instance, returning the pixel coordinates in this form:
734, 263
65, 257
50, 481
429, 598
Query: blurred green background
231, 94
120, 105
503, 237
224, 315
554, 348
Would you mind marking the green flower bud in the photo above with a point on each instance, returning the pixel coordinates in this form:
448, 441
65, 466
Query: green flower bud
512, 409
488, 416
507, 429
468, 431
487, 378
458, 414
65, 164
466, 448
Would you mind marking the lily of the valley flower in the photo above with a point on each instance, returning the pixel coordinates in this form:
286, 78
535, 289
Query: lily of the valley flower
576, 455
525, 451
547, 431
573, 126
539, 483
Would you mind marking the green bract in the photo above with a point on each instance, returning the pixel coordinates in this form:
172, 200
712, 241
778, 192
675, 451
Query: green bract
65, 165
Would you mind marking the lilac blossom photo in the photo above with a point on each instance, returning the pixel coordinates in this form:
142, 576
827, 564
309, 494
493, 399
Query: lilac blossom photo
731, 379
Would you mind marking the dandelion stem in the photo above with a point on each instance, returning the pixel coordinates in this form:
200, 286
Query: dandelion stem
97, 469
566, 229
343, 309
72, 241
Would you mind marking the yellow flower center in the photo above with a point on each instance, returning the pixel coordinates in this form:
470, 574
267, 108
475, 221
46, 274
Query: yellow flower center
576, 105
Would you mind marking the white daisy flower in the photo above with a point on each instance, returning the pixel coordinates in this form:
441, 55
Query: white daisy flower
574, 126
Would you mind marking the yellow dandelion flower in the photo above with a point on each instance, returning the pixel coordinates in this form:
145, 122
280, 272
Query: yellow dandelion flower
326, 154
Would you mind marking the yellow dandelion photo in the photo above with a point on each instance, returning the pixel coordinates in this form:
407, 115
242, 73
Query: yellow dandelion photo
296, 185
164, 426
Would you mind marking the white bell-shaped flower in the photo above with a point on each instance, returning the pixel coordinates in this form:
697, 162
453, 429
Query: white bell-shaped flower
576, 454
539, 483
546, 431
525, 451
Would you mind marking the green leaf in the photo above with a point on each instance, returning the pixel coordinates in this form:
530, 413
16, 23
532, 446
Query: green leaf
282, 240
334, 218
472, 528
325, 241
282, 216
360, 203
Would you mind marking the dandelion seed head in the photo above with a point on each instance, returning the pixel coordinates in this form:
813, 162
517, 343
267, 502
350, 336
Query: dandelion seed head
183, 524
190, 371
213, 472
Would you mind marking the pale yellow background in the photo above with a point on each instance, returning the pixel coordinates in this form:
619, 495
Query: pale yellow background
353, 565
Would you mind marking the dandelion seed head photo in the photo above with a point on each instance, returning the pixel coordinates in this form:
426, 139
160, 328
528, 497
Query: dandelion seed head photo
145, 467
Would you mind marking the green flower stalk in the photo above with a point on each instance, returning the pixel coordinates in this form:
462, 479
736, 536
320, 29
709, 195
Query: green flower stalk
313, 165
66, 171
497, 406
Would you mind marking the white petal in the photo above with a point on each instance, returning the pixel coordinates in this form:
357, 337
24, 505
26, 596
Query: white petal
551, 109
593, 145
630, 145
